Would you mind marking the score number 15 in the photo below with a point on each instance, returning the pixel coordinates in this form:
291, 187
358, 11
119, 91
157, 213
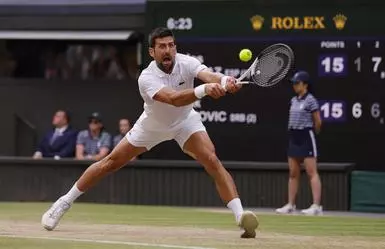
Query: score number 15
333, 110
332, 65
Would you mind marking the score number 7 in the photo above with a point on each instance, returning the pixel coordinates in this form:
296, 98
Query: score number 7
376, 63
332, 65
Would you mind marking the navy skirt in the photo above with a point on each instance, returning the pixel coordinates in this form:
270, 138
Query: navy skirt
302, 144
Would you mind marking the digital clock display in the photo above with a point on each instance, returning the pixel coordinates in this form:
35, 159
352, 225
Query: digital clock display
180, 23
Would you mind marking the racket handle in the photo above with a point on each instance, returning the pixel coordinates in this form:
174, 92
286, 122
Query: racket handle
238, 83
242, 82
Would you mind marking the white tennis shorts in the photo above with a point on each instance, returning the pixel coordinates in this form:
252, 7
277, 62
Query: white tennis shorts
140, 136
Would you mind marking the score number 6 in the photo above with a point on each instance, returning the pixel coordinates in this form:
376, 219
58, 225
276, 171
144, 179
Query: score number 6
375, 110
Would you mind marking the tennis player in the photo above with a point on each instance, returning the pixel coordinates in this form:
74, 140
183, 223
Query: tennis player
304, 120
167, 88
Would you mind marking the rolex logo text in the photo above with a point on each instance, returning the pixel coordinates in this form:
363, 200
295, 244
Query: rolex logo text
306, 22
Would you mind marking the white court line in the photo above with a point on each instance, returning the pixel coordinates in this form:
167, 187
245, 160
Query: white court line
111, 242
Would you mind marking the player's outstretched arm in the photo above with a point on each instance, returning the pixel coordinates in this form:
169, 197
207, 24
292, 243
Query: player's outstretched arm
188, 96
207, 76
228, 82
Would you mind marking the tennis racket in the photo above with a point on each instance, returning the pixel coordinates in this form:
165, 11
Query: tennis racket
270, 66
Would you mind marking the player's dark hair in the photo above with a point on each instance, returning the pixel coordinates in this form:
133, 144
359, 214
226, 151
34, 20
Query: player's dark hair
160, 32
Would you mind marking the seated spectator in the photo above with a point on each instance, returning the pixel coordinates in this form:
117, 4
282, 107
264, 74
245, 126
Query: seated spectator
59, 142
93, 143
124, 127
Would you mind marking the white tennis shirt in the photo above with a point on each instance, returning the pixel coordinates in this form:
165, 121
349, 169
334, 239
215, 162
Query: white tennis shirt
158, 115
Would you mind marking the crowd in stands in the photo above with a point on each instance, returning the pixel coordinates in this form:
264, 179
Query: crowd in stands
68, 61
86, 62
94, 143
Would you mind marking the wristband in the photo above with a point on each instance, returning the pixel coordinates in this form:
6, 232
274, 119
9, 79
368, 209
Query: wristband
200, 91
224, 81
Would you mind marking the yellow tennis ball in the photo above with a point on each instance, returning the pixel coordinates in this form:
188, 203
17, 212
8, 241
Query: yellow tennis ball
245, 55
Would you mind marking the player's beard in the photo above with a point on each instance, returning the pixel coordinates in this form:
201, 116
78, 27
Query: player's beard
167, 64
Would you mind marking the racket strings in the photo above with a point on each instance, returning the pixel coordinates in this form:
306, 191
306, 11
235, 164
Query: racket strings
273, 66
269, 67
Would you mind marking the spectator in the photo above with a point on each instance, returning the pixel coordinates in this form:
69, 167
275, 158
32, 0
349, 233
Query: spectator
93, 143
59, 142
124, 127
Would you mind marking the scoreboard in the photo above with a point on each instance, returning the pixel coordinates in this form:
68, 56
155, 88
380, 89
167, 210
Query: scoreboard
349, 81
343, 54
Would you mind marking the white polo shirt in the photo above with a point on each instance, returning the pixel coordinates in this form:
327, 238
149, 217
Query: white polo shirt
158, 115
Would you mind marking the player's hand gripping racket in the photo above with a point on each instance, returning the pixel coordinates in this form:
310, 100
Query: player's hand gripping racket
270, 66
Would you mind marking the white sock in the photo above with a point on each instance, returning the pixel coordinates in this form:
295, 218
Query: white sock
73, 194
236, 206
